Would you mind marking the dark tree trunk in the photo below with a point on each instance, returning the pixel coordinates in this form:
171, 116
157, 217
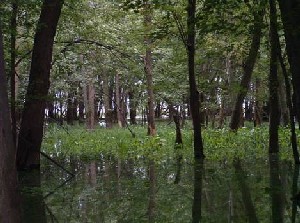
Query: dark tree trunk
13, 30
132, 109
257, 105
291, 23
194, 94
31, 133
248, 68
81, 105
148, 68
288, 100
70, 110
10, 210
273, 83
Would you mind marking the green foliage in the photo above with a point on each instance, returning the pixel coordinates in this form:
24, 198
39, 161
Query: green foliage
219, 144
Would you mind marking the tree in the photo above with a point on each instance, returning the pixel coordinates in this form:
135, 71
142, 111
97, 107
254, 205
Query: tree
9, 195
248, 66
194, 94
148, 67
31, 130
273, 82
291, 24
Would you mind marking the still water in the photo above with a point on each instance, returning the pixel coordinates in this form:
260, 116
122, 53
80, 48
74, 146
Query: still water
111, 190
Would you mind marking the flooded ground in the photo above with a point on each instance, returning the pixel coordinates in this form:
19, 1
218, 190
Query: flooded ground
112, 190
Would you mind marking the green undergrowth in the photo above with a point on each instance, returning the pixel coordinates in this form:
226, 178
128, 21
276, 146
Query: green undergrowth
219, 144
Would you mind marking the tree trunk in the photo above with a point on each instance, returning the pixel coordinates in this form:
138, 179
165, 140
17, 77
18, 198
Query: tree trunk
248, 68
257, 105
194, 94
118, 101
107, 99
132, 109
291, 24
10, 210
273, 83
148, 67
13, 30
31, 133
89, 104
288, 101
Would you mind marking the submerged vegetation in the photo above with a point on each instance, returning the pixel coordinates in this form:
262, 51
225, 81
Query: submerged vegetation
221, 144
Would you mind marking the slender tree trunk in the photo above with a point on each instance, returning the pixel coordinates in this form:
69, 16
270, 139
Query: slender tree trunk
10, 210
194, 94
257, 105
106, 99
89, 99
132, 109
81, 104
273, 83
31, 133
13, 30
291, 24
248, 68
289, 102
118, 101
148, 67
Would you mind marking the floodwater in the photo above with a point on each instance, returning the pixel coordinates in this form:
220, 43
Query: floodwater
110, 190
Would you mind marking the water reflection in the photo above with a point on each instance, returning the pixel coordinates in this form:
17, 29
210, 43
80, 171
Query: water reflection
10, 209
113, 190
198, 175
245, 191
295, 195
32, 200
276, 191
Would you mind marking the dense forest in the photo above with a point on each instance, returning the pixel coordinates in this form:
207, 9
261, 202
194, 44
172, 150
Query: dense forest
172, 81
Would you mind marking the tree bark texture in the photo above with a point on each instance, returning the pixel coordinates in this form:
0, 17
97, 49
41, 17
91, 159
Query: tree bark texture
148, 68
273, 83
9, 195
13, 30
291, 24
194, 94
248, 68
31, 130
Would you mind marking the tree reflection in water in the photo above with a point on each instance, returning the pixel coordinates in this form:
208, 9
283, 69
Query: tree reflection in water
198, 175
33, 205
276, 190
